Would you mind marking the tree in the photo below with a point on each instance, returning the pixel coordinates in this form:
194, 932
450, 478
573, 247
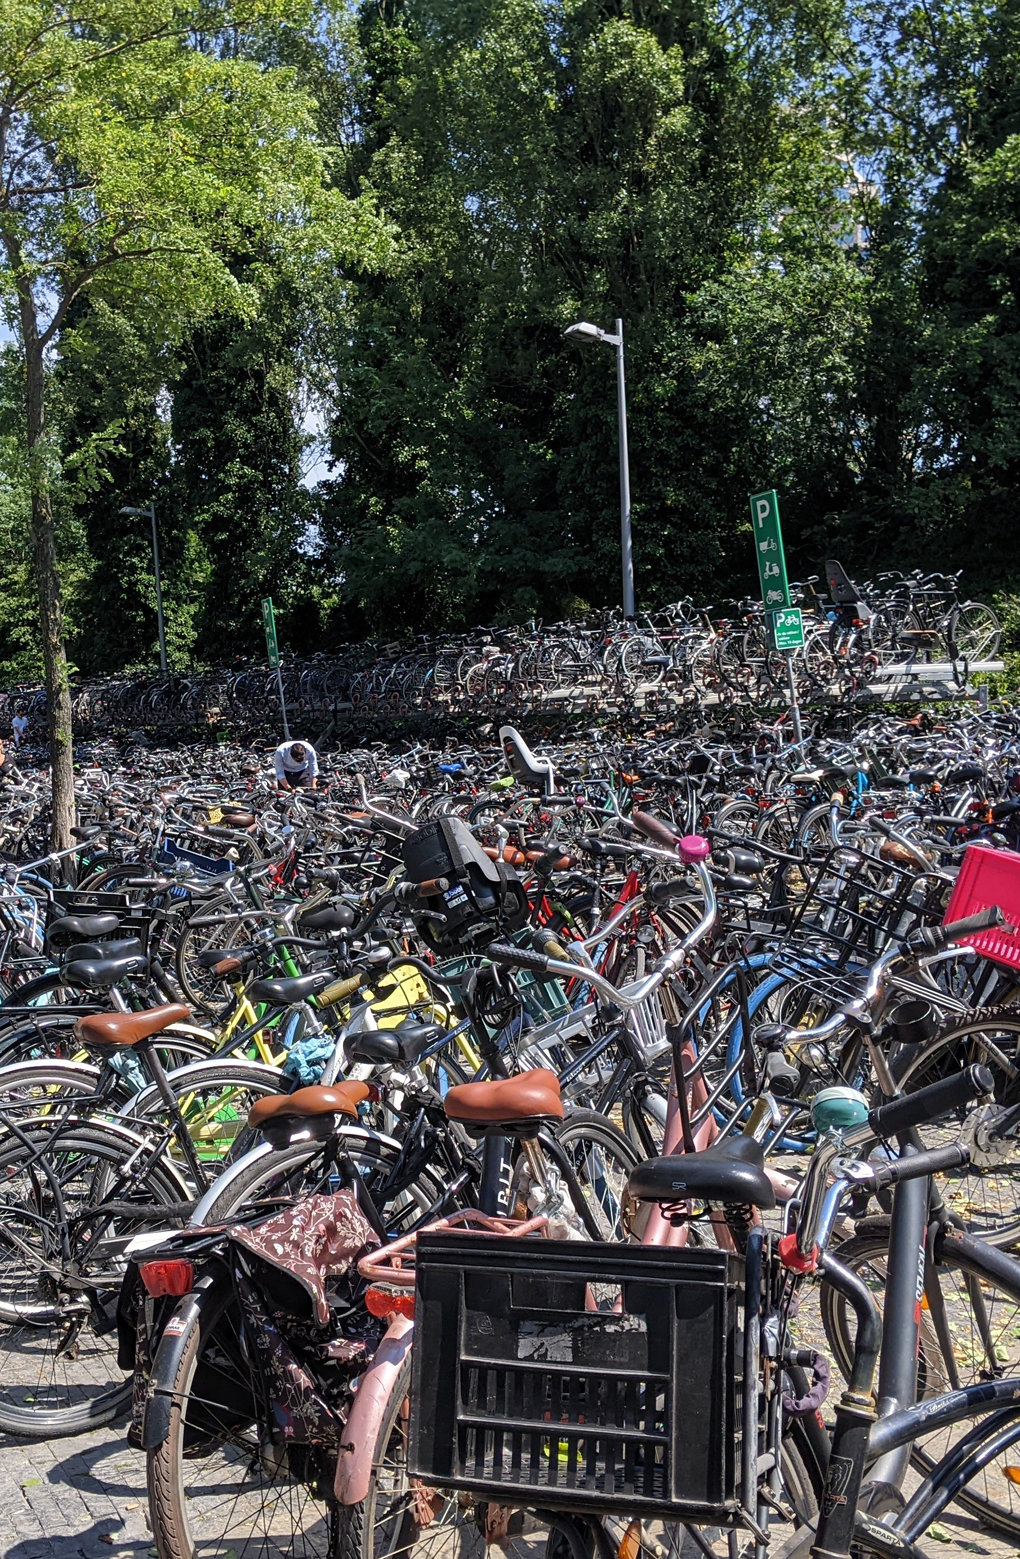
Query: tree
546, 162
143, 145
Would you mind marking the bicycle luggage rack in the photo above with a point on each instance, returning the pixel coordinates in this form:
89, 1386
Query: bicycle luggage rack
524, 1393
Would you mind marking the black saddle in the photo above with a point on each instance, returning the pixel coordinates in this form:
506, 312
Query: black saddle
329, 918
729, 1171
394, 1047
285, 993
80, 928
118, 947
99, 974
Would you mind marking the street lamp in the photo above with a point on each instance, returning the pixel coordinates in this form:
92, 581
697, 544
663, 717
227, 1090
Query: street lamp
583, 331
150, 513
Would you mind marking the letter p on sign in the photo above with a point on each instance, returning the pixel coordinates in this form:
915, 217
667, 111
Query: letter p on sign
763, 506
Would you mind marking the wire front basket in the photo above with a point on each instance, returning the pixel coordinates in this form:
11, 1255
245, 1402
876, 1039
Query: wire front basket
847, 907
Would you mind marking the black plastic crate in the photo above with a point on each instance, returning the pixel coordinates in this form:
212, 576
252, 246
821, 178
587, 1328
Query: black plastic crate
526, 1395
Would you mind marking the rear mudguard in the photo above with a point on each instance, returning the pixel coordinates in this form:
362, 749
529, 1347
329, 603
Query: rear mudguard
176, 1335
354, 1463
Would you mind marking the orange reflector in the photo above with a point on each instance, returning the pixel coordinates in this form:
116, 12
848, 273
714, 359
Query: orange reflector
924, 1302
389, 1301
1012, 1473
630, 1542
163, 1278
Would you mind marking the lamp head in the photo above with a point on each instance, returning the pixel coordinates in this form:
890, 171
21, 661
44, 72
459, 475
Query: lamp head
583, 331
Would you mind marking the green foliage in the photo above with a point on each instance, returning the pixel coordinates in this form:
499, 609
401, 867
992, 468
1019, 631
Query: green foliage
548, 162
807, 214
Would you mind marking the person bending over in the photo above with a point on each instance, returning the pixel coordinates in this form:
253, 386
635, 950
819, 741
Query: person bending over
296, 766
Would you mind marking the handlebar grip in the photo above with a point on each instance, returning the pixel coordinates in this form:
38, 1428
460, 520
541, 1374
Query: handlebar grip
927, 1104
551, 946
934, 939
654, 829
953, 1156
340, 990
517, 957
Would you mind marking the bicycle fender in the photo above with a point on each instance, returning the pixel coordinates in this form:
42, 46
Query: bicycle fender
354, 1462
177, 1332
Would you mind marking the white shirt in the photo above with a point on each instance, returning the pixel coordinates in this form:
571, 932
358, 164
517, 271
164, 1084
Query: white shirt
19, 725
285, 766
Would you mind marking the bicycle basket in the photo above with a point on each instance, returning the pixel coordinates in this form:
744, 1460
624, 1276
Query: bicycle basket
854, 904
988, 877
524, 1394
210, 865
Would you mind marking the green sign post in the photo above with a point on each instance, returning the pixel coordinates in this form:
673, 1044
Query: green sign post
785, 625
273, 656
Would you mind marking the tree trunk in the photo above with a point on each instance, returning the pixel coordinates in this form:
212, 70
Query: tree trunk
44, 559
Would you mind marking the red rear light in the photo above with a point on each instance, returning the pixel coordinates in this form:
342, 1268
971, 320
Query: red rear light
163, 1278
388, 1301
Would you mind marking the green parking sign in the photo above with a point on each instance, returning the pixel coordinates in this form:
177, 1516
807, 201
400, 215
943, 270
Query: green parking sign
768, 550
269, 623
787, 629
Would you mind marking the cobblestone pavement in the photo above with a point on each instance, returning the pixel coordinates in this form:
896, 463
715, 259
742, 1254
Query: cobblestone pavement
84, 1498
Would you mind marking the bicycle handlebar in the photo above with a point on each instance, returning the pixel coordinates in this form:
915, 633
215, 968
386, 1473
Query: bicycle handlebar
935, 939
953, 1156
658, 832
928, 1104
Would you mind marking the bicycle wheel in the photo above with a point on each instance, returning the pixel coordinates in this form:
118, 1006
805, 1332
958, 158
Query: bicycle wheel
202, 989
216, 1485
214, 1098
58, 1343
974, 632
986, 1195
272, 1180
979, 1341
601, 1157
389, 1522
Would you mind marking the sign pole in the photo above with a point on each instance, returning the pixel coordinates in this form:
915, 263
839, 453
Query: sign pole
791, 683
784, 622
273, 655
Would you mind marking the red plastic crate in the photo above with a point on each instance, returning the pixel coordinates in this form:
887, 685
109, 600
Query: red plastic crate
988, 877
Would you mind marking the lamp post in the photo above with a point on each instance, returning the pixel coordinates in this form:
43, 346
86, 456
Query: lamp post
150, 513
583, 331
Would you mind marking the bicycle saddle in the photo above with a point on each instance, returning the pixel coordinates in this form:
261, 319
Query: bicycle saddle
329, 918
98, 974
729, 1171
118, 947
81, 928
285, 993
307, 1103
128, 1028
225, 961
390, 1047
516, 1105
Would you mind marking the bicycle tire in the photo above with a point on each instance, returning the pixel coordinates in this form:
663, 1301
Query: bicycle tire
602, 1156
21, 1411
867, 1250
275, 1179
191, 1456
957, 1044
